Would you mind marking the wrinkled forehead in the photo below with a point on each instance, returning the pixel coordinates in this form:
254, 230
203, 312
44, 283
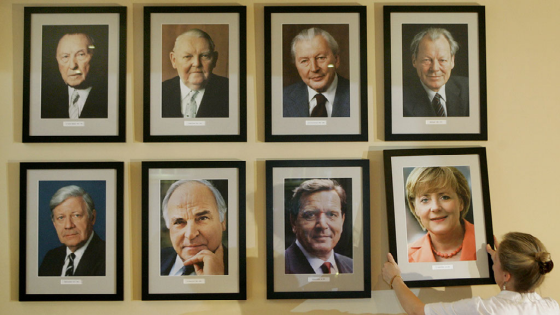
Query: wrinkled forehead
190, 42
71, 204
192, 195
73, 42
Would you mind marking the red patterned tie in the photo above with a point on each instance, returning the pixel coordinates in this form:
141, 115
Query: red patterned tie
326, 267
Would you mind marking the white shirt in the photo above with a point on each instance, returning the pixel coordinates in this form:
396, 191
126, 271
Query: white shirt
505, 303
441, 92
186, 96
316, 262
329, 94
79, 253
81, 101
178, 267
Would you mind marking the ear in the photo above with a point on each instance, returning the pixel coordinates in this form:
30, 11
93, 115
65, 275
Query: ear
215, 59
452, 62
293, 223
336, 61
172, 58
93, 217
507, 276
414, 61
224, 225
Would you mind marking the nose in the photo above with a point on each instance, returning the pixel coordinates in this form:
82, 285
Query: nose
435, 66
435, 205
68, 223
314, 66
321, 221
73, 63
196, 62
191, 231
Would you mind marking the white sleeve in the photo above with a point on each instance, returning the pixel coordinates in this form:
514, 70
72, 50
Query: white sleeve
462, 307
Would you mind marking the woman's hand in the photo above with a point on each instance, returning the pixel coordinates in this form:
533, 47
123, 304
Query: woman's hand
491, 251
390, 269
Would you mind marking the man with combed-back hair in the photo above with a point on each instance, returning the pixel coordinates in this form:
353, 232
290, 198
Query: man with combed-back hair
195, 92
317, 217
321, 91
194, 211
83, 252
436, 93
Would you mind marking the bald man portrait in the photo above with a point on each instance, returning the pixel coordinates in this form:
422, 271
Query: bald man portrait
434, 92
194, 212
78, 88
195, 92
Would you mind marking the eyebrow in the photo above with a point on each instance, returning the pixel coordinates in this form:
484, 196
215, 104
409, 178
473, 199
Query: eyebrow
204, 212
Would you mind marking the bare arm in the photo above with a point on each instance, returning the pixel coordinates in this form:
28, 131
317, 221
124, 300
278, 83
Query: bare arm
410, 302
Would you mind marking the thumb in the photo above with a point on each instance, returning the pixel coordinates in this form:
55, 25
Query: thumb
390, 258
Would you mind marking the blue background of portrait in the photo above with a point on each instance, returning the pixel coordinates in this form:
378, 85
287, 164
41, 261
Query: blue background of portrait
48, 239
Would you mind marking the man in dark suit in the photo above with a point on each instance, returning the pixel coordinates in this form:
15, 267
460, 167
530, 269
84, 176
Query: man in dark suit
83, 252
84, 92
196, 92
317, 216
194, 211
436, 93
321, 93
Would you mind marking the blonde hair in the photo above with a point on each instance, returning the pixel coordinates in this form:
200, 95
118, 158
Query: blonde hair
425, 179
526, 259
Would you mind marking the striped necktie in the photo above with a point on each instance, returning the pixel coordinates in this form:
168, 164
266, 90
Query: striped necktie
438, 106
70, 269
74, 109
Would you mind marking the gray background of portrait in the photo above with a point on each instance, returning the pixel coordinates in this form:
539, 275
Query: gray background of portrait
344, 245
219, 34
290, 74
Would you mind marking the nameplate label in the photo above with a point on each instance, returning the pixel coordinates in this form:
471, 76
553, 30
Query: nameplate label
73, 124
315, 122
194, 281
73, 281
442, 267
318, 279
436, 122
195, 123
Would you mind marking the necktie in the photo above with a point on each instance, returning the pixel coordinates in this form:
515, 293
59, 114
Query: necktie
326, 267
70, 269
188, 270
320, 110
190, 108
437, 106
74, 109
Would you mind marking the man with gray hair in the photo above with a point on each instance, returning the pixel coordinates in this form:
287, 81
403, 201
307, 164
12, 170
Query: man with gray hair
83, 252
194, 211
322, 92
196, 92
317, 214
436, 93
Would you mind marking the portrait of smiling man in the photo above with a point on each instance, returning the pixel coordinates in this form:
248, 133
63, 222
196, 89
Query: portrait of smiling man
82, 252
321, 92
317, 214
78, 88
194, 212
195, 92
434, 91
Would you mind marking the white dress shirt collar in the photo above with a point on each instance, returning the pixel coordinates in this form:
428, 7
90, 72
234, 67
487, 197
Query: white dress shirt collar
84, 93
432, 94
316, 262
79, 254
186, 91
329, 94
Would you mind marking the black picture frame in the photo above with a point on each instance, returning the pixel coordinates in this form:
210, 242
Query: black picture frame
103, 115
104, 182
408, 111
228, 177
226, 121
285, 123
284, 282
405, 229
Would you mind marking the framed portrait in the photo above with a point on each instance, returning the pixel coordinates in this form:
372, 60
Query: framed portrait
74, 87
71, 231
193, 230
317, 229
315, 72
435, 73
195, 74
438, 210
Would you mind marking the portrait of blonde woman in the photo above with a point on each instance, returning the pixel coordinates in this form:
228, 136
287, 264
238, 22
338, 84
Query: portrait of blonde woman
439, 198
